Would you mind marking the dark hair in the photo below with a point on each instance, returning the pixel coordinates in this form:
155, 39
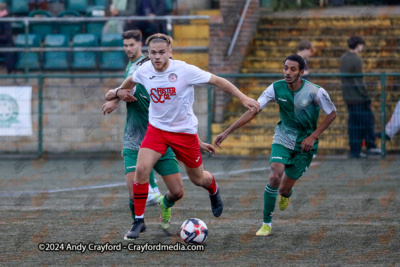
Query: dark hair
304, 44
298, 59
132, 34
354, 41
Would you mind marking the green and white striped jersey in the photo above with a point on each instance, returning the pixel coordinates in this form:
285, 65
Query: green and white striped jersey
299, 111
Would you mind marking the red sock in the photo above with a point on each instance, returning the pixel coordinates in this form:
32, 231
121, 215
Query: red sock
213, 187
140, 193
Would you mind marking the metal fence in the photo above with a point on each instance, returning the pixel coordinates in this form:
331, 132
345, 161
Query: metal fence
67, 119
255, 138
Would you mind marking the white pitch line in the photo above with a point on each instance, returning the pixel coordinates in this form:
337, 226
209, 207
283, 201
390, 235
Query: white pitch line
18, 193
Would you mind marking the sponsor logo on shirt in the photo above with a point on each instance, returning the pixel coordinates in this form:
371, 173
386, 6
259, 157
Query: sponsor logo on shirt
281, 99
173, 77
143, 96
159, 95
152, 77
277, 157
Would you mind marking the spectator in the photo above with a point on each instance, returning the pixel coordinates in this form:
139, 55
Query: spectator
355, 95
305, 50
6, 39
121, 8
38, 4
151, 8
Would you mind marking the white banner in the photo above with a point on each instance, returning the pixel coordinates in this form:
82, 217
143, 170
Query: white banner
15, 110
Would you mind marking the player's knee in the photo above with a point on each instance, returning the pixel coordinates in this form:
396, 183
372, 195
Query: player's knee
274, 180
178, 194
142, 174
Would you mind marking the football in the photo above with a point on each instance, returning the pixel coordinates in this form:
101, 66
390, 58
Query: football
194, 231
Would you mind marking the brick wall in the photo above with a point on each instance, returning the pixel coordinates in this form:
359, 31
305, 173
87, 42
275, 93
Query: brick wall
222, 31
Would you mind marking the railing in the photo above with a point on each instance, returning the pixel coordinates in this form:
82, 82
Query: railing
239, 26
262, 79
27, 20
379, 97
39, 136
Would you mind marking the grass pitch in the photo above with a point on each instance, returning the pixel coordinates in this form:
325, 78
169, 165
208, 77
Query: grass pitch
342, 212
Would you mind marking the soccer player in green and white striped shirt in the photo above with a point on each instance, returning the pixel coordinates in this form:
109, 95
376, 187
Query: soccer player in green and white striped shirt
296, 135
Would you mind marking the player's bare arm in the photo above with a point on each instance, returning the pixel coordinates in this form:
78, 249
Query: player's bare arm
229, 88
206, 147
308, 142
245, 118
110, 106
122, 92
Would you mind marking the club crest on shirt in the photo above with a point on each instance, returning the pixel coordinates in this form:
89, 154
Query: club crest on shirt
173, 77
304, 102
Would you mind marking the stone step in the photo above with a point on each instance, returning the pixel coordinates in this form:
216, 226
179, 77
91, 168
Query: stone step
191, 32
323, 41
207, 12
320, 70
380, 31
277, 38
190, 42
198, 59
331, 21
270, 51
334, 88
322, 62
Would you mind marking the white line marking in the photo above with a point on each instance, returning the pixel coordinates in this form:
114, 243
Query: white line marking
18, 193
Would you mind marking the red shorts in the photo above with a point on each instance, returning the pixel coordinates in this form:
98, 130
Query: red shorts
185, 146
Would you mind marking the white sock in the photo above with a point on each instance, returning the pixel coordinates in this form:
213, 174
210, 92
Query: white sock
269, 224
155, 189
215, 191
150, 189
139, 216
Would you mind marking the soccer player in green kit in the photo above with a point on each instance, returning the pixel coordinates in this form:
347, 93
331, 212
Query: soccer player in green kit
133, 128
296, 135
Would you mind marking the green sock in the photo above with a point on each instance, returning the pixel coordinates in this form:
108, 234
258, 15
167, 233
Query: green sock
168, 203
269, 202
152, 180
290, 194
132, 208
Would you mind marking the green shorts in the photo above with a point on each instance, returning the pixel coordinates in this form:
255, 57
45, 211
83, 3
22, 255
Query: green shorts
296, 163
166, 165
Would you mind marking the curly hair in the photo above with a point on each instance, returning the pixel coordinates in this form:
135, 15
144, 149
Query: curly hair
298, 59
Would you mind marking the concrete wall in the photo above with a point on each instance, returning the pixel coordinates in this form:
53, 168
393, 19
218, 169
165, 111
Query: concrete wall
73, 121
